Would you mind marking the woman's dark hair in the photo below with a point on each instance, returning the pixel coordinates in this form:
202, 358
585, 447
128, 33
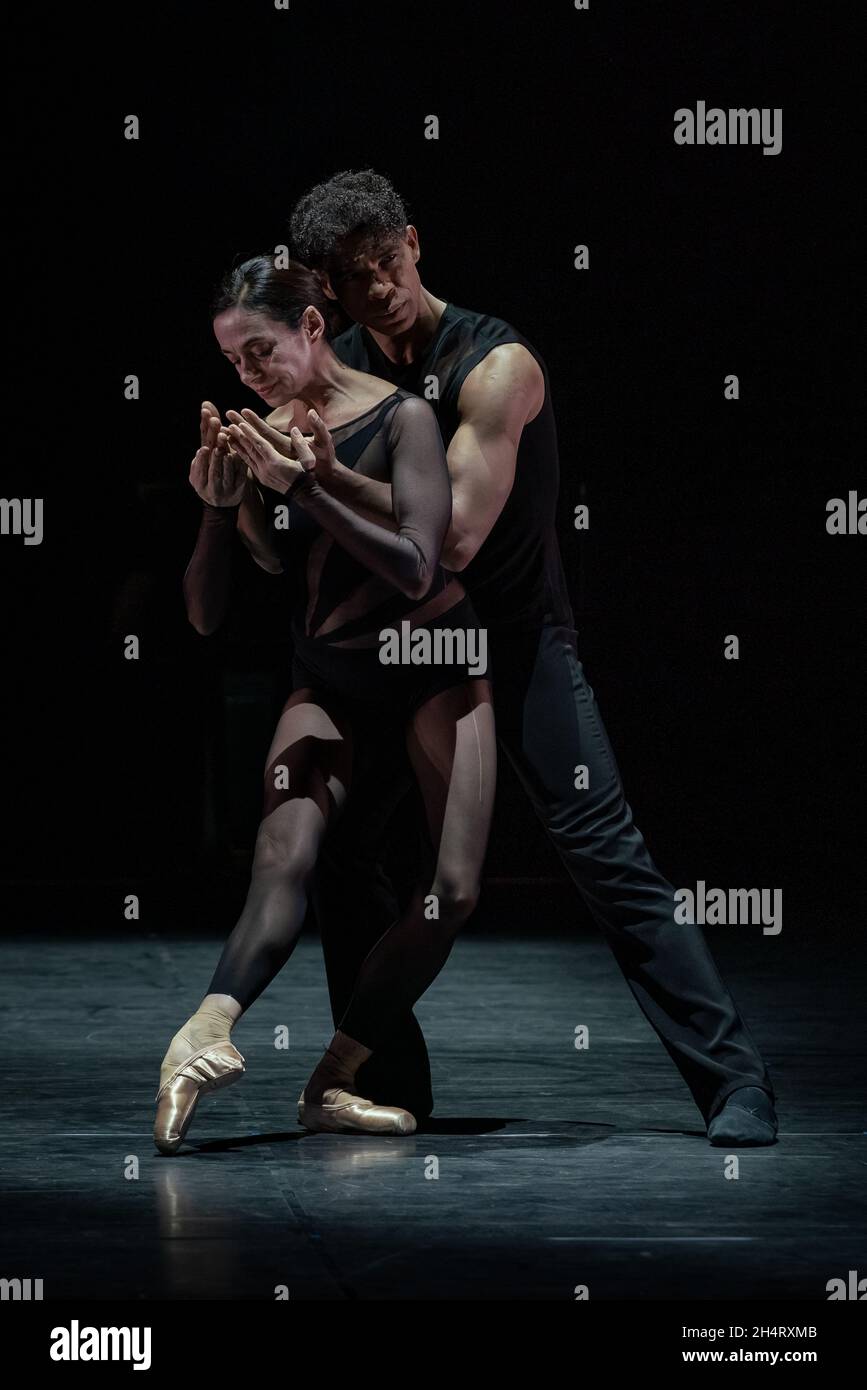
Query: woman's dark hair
282, 293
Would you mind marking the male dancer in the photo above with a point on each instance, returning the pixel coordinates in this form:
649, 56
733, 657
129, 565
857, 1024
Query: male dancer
489, 388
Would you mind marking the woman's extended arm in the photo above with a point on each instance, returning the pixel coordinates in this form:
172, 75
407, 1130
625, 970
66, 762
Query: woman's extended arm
421, 496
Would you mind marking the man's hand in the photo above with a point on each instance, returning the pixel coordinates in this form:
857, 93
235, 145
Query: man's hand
218, 474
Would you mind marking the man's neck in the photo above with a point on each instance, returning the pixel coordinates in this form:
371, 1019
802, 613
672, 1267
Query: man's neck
404, 348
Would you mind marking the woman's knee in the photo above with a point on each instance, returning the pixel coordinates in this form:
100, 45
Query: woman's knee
455, 896
279, 851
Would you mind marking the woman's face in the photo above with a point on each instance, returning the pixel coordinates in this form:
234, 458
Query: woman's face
272, 359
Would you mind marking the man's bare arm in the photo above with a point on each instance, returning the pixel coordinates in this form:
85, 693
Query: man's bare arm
498, 398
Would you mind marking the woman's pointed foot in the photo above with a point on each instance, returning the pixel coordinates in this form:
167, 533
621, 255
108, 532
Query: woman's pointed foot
339, 1110
210, 1068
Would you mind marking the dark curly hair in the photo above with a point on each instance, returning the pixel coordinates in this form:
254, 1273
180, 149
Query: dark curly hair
259, 287
352, 202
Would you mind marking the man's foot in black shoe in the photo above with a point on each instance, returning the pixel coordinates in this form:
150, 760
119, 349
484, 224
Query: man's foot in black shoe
748, 1117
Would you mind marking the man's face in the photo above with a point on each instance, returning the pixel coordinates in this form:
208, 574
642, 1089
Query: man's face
375, 281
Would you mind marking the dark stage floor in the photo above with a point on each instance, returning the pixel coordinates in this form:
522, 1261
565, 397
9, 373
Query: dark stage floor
557, 1168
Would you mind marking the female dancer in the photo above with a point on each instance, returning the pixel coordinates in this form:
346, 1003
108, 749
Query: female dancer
352, 578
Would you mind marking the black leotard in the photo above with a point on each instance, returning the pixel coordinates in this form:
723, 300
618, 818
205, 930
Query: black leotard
342, 600
336, 625
516, 579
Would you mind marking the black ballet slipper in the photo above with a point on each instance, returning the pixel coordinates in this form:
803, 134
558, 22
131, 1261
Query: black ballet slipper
747, 1118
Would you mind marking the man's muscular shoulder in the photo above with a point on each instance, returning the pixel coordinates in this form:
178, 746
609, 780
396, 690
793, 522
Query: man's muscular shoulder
507, 385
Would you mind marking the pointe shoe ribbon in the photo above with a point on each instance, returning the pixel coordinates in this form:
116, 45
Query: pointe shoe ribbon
340, 1110
208, 1069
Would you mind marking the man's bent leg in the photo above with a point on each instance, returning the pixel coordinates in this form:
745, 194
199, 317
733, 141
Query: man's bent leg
549, 723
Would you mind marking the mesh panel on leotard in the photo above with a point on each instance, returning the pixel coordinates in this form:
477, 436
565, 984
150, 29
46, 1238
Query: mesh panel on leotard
339, 598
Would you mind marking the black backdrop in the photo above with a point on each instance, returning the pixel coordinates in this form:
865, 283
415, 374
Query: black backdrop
707, 516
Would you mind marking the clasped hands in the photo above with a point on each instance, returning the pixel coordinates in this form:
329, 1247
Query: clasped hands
232, 455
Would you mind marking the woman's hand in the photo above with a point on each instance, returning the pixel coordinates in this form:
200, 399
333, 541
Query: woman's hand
321, 446
319, 452
217, 473
277, 460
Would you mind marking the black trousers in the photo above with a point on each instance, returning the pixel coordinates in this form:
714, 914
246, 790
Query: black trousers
548, 723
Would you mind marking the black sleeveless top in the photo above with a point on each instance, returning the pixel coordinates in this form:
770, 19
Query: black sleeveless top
516, 578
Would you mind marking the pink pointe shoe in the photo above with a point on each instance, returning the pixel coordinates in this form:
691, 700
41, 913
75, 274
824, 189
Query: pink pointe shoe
208, 1069
342, 1111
